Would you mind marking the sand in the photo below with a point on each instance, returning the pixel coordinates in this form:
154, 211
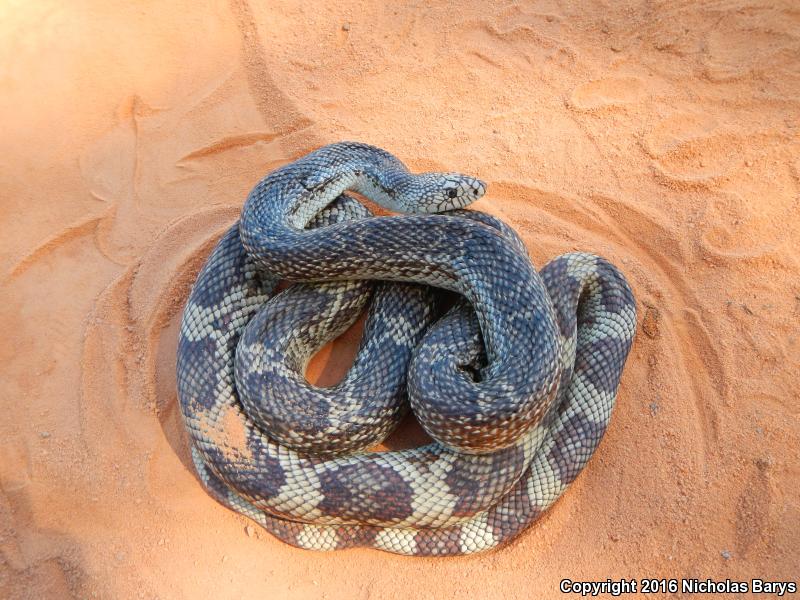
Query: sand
663, 136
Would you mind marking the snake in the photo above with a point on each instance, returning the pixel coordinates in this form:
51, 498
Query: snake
513, 372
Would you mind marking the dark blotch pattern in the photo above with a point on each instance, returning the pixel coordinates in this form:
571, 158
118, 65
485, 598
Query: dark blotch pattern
514, 512
366, 493
574, 444
349, 537
442, 542
601, 362
469, 481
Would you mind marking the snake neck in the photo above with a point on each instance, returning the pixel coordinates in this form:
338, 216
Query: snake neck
379, 177
318, 179
390, 191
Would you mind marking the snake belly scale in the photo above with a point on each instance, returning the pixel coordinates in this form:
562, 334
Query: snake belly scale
514, 382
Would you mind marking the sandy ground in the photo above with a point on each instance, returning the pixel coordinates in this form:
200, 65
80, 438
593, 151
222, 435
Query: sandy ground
661, 135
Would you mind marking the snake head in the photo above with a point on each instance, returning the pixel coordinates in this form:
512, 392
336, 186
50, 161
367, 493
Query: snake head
438, 192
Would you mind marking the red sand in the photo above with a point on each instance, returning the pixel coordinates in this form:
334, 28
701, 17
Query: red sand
664, 137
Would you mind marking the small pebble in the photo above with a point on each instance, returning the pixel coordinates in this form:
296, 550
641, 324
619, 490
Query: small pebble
650, 322
249, 531
346, 27
726, 555
763, 463
44, 434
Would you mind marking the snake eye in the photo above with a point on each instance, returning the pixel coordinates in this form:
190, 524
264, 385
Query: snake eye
452, 193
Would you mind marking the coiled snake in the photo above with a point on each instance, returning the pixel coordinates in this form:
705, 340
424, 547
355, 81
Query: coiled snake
515, 383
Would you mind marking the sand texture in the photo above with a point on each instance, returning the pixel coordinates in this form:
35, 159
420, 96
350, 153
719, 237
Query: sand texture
664, 136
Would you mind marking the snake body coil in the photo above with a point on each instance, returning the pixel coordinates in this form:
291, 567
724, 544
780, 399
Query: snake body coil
515, 383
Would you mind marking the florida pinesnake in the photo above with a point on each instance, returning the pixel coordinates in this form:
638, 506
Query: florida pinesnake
515, 383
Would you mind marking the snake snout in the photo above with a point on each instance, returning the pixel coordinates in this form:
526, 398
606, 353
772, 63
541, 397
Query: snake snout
463, 190
478, 188
439, 192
